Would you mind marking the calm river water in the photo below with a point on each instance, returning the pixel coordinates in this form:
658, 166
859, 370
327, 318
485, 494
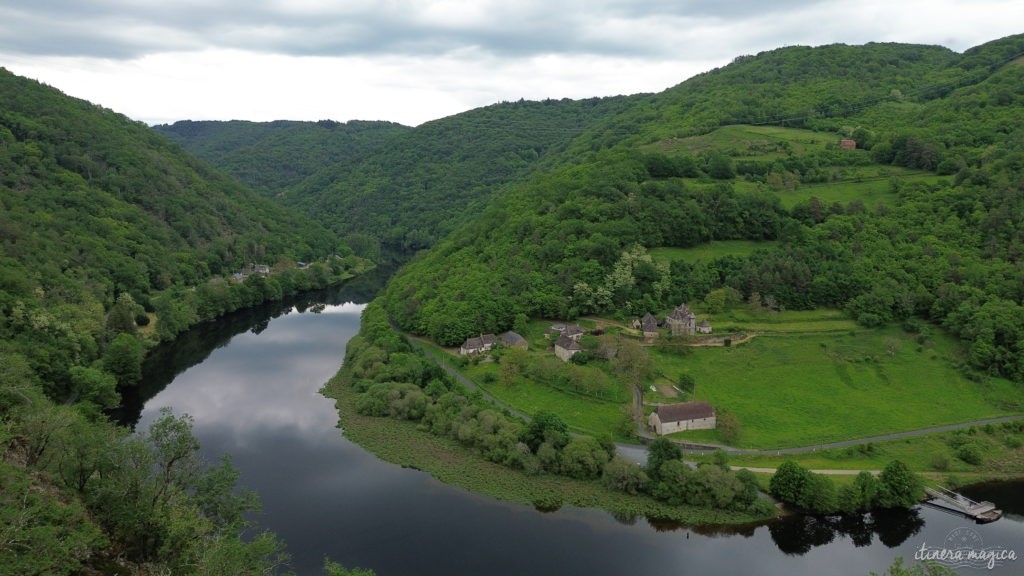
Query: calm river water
251, 381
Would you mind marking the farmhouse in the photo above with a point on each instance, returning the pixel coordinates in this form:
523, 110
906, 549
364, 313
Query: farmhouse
478, 345
670, 418
682, 321
566, 347
704, 327
847, 144
513, 340
649, 326
559, 329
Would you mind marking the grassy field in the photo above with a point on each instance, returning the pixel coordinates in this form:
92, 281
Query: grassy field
871, 184
789, 321
807, 377
709, 251
871, 190
580, 412
802, 389
752, 142
1001, 448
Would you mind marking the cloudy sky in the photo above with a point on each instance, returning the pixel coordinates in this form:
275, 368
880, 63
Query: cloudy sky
411, 61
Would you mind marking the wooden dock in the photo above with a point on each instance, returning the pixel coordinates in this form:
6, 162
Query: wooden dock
981, 512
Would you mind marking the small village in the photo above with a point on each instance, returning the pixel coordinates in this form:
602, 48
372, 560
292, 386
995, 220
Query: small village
564, 341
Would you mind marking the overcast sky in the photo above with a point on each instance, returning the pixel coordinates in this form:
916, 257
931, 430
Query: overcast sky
413, 61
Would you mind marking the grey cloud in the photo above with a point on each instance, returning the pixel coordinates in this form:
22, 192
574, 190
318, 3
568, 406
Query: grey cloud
720, 9
121, 29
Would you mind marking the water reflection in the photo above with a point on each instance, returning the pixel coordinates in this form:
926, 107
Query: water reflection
163, 364
797, 535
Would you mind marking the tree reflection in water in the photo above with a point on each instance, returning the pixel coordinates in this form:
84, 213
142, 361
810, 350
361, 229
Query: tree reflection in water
797, 535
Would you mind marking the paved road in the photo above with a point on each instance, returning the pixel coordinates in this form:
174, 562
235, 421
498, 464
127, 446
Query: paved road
638, 453
691, 448
828, 472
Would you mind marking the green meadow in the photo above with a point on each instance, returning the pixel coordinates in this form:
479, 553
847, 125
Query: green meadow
582, 413
751, 142
871, 190
789, 321
999, 449
803, 378
804, 389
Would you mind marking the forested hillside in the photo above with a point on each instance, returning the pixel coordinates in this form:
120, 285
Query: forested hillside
271, 157
95, 206
402, 189
112, 237
942, 242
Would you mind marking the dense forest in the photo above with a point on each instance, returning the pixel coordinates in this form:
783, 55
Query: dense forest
111, 239
272, 157
403, 189
572, 239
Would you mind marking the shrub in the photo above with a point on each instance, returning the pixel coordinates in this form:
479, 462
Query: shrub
940, 462
729, 427
583, 458
971, 454
625, 476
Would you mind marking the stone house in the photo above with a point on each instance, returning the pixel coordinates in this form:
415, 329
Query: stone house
649, 325
566, 347
513, 340
574, 331
555, 330
671, 418
478, 345
558, 329
704, 327
682, 321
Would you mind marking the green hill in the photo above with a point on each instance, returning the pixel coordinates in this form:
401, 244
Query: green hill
94, 206
271, 157
112, 237
391, 186
667, 171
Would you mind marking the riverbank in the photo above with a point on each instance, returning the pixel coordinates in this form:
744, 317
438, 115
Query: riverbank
403, 443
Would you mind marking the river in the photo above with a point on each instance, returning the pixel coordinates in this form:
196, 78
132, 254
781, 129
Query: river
250, 382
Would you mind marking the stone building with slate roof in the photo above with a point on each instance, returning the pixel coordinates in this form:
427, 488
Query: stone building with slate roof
478, 345
566, 347
671, 418
682, 321
513, 340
